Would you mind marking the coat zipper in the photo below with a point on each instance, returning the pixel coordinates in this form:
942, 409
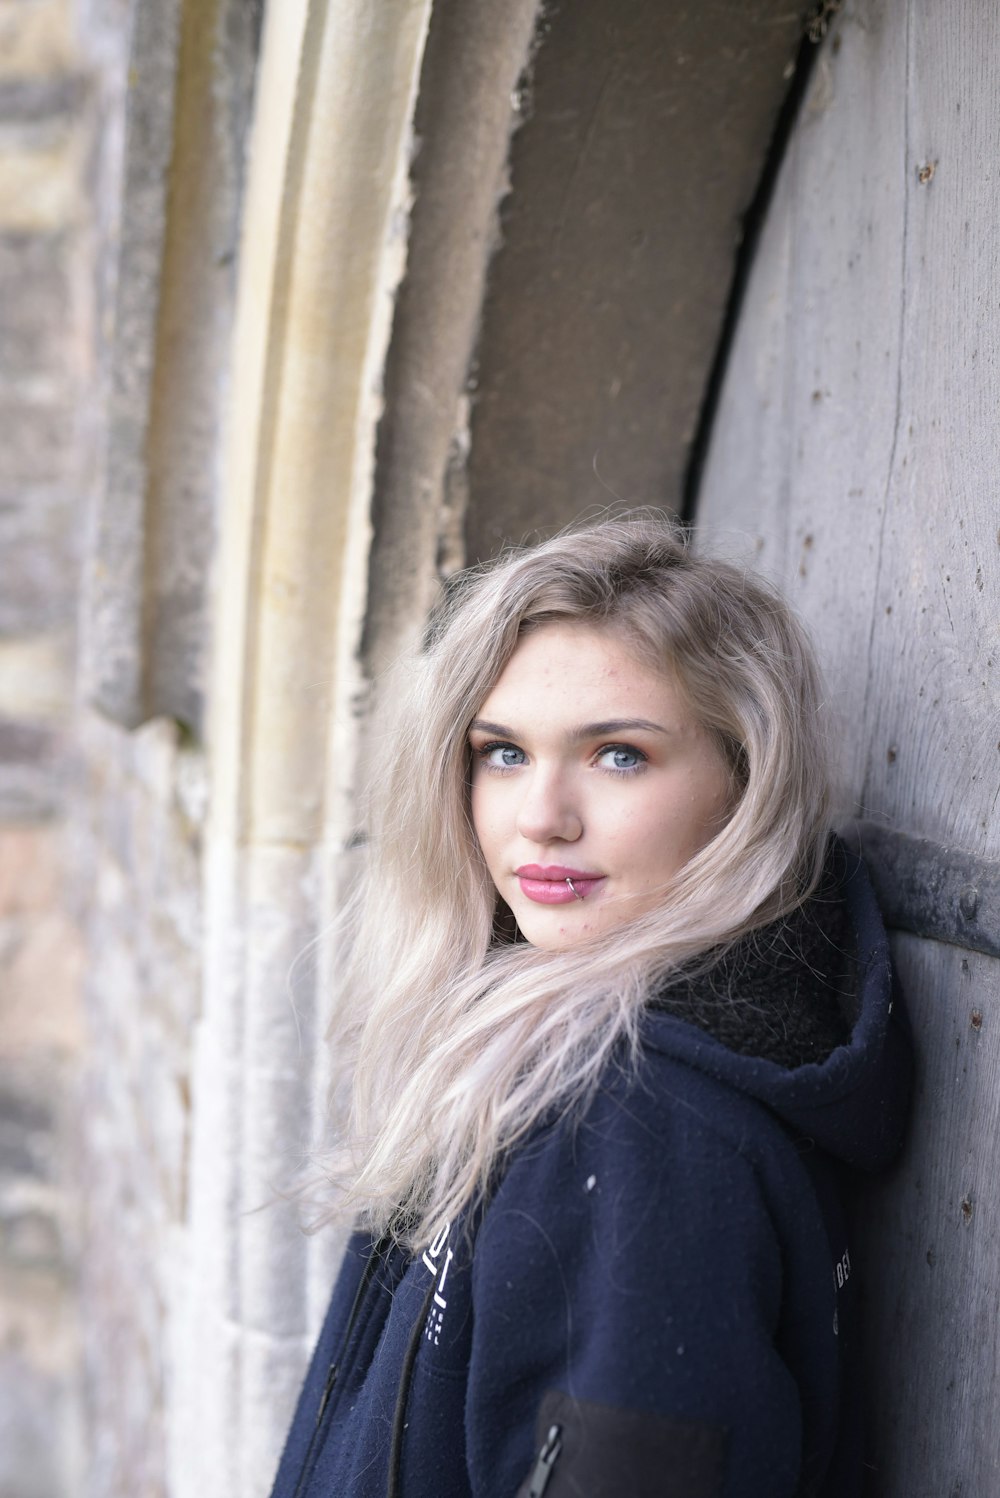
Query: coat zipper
331, 1379
547, 1458
312, 1450
403, 1394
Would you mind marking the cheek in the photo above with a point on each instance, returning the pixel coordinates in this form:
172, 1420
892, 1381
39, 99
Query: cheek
650, 842
669, 828
485, 814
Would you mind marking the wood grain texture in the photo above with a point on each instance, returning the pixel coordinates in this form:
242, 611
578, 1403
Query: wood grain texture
854, 460
928, 1244
857, 442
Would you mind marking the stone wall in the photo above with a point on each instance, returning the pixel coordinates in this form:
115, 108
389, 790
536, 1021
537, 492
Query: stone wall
139, 839
52, 92
234, 428
40, 1036
177, 81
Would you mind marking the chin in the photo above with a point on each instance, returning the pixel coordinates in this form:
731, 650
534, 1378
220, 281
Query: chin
554, 935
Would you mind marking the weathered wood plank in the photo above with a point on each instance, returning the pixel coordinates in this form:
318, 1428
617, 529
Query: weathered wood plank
799, 465
929, 1244
932, 717
857, 434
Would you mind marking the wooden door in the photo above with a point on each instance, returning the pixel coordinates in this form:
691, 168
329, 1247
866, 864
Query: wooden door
855, 458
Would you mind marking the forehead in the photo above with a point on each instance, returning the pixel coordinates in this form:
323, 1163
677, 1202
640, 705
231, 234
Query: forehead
583, 669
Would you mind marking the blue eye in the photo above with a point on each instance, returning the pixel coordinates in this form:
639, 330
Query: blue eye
621, 759
501, 756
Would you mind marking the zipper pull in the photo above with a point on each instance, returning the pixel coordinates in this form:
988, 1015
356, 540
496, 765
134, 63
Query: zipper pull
547, 1458
331, 1379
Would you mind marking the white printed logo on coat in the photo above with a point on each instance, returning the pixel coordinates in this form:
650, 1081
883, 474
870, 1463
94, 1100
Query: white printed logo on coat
438, 1266
841, 1274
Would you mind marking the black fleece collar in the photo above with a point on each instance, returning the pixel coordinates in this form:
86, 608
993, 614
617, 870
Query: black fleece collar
786, 991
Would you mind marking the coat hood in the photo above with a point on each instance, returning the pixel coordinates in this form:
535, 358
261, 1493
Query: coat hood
851, 1101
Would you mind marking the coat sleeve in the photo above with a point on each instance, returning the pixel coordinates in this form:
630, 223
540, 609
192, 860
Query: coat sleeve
627, 1293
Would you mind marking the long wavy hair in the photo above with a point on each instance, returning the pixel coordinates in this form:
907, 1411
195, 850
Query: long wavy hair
450, 1043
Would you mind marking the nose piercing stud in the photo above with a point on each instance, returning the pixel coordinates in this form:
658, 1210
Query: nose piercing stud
574, 889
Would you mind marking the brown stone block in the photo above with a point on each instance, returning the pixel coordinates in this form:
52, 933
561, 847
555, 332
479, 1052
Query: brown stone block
40, 948
36, 682
36, 1408
36, 442
34, 304
35, 1318
27, 1142
33, 769
40, 169
36, 40
32, 1238
40, 982
37, 544
29, 871
31, 100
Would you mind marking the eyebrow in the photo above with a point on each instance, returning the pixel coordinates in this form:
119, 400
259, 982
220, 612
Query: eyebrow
585, 731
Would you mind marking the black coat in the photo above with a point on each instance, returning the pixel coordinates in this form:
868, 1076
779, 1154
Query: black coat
659, 1297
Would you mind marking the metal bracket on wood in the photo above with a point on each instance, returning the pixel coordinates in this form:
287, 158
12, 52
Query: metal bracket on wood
944, 894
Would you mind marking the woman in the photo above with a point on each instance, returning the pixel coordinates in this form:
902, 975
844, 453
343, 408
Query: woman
619, 1010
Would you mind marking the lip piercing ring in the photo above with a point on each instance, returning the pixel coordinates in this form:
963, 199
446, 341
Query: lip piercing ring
574, 889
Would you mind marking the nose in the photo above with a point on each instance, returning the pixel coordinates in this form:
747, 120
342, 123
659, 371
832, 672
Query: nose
548, 811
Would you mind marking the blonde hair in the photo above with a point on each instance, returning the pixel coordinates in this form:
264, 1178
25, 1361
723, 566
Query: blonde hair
449, 1046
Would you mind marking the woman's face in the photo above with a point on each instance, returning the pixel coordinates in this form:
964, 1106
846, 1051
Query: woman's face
592, 784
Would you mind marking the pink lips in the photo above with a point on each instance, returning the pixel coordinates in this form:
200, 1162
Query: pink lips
547, 885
